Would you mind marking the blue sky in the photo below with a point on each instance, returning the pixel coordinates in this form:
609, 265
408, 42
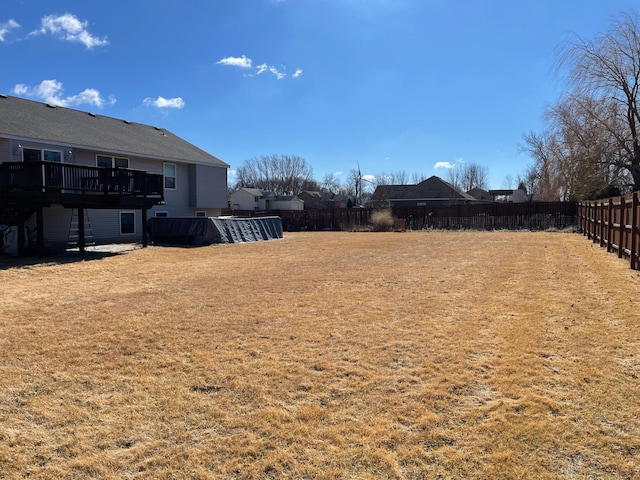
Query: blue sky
391, 85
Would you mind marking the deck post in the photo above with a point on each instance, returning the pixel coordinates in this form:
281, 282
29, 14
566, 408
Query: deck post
40, 230
81, 239
21, 237
144, 228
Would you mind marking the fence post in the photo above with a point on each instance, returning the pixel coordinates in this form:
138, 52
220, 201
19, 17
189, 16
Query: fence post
622, 227
634, 228
609, 223
602, 224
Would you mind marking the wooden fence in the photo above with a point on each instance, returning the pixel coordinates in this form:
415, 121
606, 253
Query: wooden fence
489, 216
613, 223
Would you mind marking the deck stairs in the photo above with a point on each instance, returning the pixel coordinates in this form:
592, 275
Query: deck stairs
74, 230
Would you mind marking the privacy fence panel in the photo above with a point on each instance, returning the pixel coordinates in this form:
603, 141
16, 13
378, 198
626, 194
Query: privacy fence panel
613, 223
488, 216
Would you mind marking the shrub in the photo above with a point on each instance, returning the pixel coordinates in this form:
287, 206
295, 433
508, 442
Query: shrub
382, 220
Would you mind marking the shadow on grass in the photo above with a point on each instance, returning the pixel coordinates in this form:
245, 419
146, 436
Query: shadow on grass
69, 256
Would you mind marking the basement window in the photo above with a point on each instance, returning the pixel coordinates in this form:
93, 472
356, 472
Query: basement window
127, 223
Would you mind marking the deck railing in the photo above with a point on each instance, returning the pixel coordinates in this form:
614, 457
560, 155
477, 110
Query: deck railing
56, 177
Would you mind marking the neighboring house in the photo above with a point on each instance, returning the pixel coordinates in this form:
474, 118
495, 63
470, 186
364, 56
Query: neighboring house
481, 194
510, 195
63, 169
314, 200
256, 199
432, 191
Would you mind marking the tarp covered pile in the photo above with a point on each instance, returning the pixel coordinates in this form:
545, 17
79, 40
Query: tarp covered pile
193, 231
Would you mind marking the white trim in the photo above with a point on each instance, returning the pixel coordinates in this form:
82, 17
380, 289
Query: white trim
120, 222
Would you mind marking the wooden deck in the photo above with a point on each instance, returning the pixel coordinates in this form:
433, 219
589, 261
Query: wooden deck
28, 187
77, 186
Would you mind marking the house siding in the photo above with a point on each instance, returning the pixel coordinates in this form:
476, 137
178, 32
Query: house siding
205, 187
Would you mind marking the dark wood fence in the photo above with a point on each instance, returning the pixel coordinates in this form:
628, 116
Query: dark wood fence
613, 223
489, 216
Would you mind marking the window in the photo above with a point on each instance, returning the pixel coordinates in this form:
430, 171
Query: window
162, 214
37, 155
201, 214
111, 162
52, 156
127, 223
169, 176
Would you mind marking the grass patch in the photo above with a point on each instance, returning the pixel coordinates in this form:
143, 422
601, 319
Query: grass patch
325, 355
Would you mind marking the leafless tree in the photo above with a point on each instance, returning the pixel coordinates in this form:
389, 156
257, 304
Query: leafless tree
393, 178
606, 71
530, 183
454, 178
418, 177
508, 181
281, 174
330, 183
466, 176
473, 175
578, 155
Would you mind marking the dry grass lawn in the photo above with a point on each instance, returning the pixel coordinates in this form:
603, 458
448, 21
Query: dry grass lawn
325, 356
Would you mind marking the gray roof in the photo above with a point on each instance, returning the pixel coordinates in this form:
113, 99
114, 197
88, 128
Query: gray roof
430, 189
39, 122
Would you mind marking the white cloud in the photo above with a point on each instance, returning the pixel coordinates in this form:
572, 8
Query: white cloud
7, 27
368, 178
162, 102
69, 27
262, 68
51, 92
444, 165
242, 62
278, 74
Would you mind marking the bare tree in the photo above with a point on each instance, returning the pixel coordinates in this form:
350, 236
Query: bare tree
354, 185
393, 178
330, 183
508, 181
281, 174
607, 71
418, 177
473, 175
578, 155
454, 178
530, 182
467, 176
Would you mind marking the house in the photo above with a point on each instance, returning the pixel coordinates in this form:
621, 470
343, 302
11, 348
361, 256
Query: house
481, 194
432, 191
314, 200
67, 174
256, 199
510, 195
